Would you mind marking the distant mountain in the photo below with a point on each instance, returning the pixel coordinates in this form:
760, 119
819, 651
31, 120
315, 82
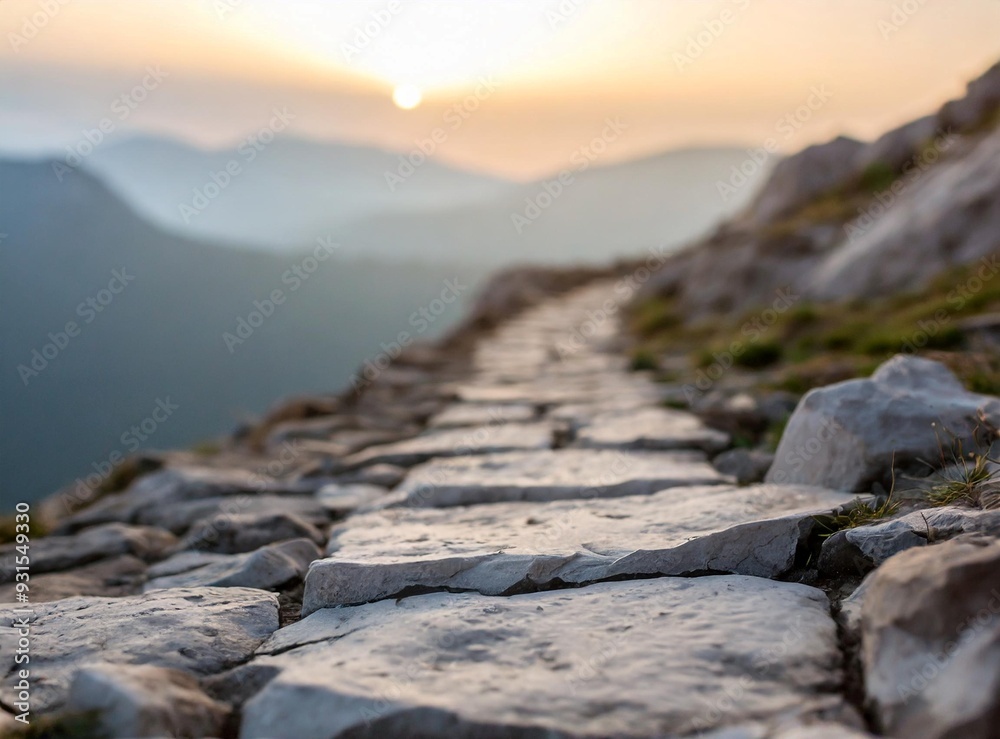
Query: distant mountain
281, 193
589, 214
102, 316
294, 189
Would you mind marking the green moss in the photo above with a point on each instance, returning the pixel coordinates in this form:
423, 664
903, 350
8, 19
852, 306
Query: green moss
643, 359
65, 726
759, 355
878, 176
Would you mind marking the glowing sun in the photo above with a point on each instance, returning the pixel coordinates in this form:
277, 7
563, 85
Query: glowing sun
407, 97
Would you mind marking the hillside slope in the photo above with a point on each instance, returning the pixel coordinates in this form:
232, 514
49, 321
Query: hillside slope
849, 220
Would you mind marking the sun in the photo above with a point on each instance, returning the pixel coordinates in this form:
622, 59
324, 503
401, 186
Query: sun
407, 97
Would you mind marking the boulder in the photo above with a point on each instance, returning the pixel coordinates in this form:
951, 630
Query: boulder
931, 641
849, 436
202, 631
551, 475
516, 547
145, 701
649, 428
247, 532
671, 656
265, 569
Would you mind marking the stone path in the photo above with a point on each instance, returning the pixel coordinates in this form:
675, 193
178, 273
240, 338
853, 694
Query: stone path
559, 558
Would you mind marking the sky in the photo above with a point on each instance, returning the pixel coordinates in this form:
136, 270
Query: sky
508, 87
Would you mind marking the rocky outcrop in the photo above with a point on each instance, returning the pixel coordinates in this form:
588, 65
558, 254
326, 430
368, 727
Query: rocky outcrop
908, 415
800, 178
848, 220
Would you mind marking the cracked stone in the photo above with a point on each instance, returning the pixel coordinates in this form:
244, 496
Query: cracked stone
655, 657
493, 549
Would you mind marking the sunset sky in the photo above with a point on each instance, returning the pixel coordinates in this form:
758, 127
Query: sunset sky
533, 79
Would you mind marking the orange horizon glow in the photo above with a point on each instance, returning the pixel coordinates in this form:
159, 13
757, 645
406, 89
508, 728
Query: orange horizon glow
544, 73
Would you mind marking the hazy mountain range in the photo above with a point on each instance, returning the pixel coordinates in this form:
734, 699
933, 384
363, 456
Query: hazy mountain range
110, 302
376, 203
152, 312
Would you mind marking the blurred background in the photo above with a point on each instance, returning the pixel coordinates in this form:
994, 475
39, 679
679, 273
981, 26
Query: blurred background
208, 205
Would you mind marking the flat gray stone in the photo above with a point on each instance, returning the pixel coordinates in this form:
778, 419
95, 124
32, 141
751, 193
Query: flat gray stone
670, 656
457, 442
202, 631
478, 414
650, 428
113, 577
53, 553
145, 701
247, 532
180, 517
339, 500
154, 497
507, 547
551, 475
265, 569
858, 550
